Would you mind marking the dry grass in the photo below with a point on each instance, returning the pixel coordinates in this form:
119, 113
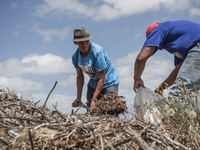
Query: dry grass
180, 114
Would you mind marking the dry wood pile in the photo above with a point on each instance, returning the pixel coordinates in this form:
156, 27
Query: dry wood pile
25, 126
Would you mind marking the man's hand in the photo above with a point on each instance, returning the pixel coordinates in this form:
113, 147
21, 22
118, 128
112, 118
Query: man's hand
140, 62
137, 84
100, 84
92, 105
77, 102
158, 90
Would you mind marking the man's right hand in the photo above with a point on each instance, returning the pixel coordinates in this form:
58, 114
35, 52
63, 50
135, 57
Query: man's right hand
137, 84
77, 103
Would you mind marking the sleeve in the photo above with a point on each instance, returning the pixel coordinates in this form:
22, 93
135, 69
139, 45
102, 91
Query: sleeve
75, 60
100, 62
155, 38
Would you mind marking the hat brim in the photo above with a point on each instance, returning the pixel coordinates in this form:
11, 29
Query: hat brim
82, 39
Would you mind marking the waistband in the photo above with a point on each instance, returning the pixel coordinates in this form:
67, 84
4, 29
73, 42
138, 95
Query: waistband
196, 45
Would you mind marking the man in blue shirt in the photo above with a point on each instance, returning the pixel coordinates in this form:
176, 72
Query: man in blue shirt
91, 59
180, 38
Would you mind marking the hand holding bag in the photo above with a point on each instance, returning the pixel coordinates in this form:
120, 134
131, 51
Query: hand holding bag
143, 99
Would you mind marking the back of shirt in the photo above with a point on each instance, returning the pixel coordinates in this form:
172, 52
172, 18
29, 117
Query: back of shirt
177, 37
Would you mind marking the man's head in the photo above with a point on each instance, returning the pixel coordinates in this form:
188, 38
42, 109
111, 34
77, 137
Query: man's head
150, 28
81, 34
82, 39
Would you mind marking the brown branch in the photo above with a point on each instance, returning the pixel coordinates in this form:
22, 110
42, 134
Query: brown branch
92, 138
139, 139
83, 106
31, 140
123, 142
20, 118
50, 93
170, 140
59, 113
41, 113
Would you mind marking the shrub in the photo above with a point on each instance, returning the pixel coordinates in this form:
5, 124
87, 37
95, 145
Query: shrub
180, 114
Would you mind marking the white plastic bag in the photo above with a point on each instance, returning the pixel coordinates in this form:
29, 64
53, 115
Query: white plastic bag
146, 96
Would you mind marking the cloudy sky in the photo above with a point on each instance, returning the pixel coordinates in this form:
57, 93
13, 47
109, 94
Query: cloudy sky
36, 47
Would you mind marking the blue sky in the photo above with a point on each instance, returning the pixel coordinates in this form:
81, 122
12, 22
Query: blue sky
36, 45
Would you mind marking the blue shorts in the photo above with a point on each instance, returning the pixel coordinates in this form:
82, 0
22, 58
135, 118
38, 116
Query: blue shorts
90, 92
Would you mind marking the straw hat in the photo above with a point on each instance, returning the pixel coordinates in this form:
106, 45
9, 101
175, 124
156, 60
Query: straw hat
81, 34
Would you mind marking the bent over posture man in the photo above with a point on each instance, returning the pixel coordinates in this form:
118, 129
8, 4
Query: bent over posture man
180, 38
93, 60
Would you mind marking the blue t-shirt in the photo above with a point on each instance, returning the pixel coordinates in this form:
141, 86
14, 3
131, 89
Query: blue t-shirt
177, 37
97, 60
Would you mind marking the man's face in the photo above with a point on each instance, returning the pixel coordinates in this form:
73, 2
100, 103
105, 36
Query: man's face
84, 46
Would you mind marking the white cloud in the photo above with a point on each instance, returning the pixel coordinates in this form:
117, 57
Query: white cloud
128, 60
26, 2
195, 11
20, 26
13, 5
20, 85
155, 72
113, 9
109, 9
138, 35
125, 30
35, 64
63, 102
176, 5
49, 33
15, 33
63, 7
71, 81
157, 68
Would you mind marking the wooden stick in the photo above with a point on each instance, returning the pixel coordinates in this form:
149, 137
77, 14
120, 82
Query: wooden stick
50, 93
31, 140
59, 113
20, 118
83, 106
139, 139
92, 138
43, 115
123, 142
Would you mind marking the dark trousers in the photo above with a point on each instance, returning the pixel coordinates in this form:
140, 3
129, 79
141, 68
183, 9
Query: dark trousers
90, 92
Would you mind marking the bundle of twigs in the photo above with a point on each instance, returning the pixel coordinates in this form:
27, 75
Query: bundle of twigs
110, 104
25, 126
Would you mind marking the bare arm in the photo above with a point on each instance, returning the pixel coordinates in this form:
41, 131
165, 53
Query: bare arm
100, 85
79, 84
140, 62
170, 79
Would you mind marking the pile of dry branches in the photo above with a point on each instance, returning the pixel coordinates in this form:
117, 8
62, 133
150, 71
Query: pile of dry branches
25, 126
